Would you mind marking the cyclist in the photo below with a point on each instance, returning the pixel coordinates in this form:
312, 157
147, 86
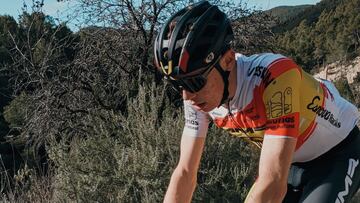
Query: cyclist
306, 131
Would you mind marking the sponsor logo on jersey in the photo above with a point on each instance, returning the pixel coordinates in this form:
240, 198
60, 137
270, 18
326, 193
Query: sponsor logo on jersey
282, 120
210, 57
323, 113
191, 114
279, 104
191, 118
192, 122
262, 72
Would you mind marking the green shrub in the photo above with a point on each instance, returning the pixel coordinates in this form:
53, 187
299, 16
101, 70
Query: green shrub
122, 157
18, 111
355, 88
344, 89
131, 158
227, 170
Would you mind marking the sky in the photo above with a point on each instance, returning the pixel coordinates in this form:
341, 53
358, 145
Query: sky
268, 4
61, 9
13, 7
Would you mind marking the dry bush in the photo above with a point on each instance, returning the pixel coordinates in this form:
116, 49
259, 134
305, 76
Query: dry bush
130, 158
28, 185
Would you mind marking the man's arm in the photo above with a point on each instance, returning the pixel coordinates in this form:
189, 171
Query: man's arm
282, 102
183, 179
275, 161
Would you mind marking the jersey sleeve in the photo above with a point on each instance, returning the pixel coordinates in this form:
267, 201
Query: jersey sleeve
196, 122
282, 100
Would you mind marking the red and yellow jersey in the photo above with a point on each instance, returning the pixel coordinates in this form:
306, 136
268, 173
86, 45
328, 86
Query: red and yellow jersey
276, 98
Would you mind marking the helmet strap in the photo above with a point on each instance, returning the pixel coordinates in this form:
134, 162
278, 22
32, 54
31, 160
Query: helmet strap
225, 77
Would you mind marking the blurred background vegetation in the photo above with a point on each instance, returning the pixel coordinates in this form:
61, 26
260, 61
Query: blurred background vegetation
84, 116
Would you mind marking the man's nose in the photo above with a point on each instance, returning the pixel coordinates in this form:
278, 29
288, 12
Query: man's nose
188, 95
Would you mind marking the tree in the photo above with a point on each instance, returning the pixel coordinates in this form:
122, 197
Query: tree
332, 36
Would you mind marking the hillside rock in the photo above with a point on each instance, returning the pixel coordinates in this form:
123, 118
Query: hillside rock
337, 70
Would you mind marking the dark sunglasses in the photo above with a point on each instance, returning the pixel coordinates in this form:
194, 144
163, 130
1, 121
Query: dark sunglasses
190, 83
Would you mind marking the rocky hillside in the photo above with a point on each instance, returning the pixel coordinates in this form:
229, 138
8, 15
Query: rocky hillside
337, 70
346, 77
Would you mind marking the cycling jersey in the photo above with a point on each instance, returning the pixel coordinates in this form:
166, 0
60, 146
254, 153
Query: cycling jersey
275, 98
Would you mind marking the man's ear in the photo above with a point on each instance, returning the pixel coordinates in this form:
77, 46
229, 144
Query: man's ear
227, 60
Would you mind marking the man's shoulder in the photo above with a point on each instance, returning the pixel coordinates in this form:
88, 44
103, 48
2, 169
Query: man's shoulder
262, 59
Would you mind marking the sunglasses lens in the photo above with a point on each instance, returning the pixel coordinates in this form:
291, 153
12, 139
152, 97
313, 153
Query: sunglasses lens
194, 84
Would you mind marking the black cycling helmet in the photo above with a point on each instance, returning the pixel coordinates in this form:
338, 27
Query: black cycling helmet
190, 43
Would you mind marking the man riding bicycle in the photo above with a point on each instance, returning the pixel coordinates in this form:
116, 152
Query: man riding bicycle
306, 131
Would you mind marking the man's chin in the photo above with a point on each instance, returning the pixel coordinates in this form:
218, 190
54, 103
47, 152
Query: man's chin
204, 107
207, 108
